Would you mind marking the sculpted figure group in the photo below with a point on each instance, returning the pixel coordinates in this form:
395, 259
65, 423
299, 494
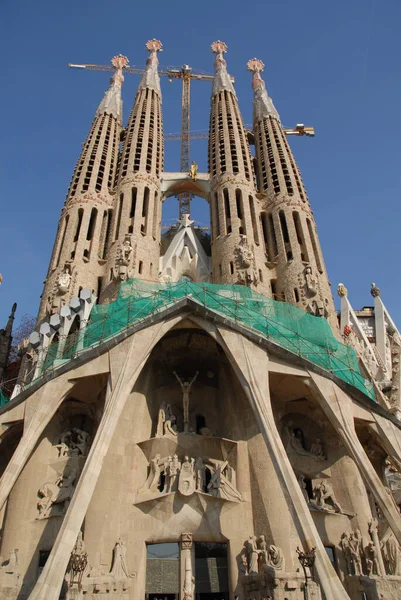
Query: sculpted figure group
73, 443
258, 557
207, 475
369, 556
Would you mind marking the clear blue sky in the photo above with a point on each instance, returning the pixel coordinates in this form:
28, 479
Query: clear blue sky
334, 65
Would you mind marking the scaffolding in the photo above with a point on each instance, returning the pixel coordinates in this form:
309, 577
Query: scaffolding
283, 324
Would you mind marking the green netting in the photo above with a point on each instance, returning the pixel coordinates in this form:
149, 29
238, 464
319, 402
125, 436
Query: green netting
3, 399
288, 326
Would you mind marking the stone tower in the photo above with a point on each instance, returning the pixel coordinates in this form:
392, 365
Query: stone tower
288, 227
5, 342
238, 254
194, 440
78, 258
134, 245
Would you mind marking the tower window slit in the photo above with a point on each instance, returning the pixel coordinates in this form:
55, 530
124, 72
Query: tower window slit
79, 223
283, 162
120, 210
231, 267
145, 210
227, 210
238, 201
155, 215
300, 236
67, 218
254, 221
273, 284
272, 236
285, 234
140, 267
314, 246
272, 162
92, 223
296, 295
133, 202
216, 214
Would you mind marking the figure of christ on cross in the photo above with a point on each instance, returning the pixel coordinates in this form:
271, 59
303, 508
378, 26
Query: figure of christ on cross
186, 387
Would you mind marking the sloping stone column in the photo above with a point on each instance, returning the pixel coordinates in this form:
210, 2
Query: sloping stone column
251, 364
136, 351
337, 406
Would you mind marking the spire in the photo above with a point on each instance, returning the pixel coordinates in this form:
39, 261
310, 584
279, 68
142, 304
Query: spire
150, 78
112, 103
263, 106
11, 318
222, 80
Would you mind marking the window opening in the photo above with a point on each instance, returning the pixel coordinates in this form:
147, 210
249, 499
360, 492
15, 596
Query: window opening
78, 229
314, 246
120, 210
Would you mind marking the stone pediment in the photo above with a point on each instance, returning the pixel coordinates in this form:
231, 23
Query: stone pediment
310, 466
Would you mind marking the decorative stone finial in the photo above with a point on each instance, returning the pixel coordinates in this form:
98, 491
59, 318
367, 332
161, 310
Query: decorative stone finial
219, 47
374, 290
342, 290
111, 103
263, 106
150, 78
119, 61
154, 45
255, 65
222, 80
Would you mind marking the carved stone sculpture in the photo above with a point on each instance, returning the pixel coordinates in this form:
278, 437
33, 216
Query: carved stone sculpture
161, 419
372, 561
245, 262
119, 569
56, 493
347, 552
73, 443
153, 480
186, 484
302, 485
317, 448
64, 279
63, 445
219, 485
310, 282
174, 472
82, 443
186, 388
200, 474
264, 554
170, 427
324, 497
295, 444
276, 558
391, 553
252, 554
355, 552
124, 256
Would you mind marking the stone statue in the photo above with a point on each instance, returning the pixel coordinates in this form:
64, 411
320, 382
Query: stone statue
82, 443
347, 552
252, 554
200, 474
276, 558
186, 483
186, 388
153, 480
170, 427
355, 552
263, 554
317, 448
243, 565
342, 290
391, 553
302, 485
163, 415
175, 468
219, 484
119, 568
193, 171
295, 443
63, 445
374, 290
310, 282
64, 279
323, 495
372, 561
56, 493
123, 262
245, 260
167, 477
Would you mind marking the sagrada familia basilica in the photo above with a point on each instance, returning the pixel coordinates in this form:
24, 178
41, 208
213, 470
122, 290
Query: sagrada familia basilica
192, 419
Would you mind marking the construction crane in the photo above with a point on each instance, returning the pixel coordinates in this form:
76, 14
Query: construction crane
186, 75
299, 129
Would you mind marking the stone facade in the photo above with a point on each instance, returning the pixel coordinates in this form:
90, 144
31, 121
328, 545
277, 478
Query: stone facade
189, 453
